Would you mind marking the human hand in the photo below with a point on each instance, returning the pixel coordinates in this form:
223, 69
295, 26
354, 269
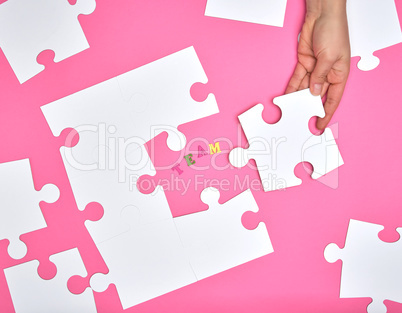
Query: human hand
323, 54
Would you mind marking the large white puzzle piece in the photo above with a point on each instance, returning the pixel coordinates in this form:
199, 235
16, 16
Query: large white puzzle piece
29, 27
145, 262
32, 294
267, 12
114, 119
278, 148
139, 104
114, 190
370, 267
152, 259
373, 25
19, 204
216, 240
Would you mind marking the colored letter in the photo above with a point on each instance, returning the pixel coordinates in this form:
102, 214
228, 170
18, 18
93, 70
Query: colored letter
177, 168
201, 152
189, 160
215, 149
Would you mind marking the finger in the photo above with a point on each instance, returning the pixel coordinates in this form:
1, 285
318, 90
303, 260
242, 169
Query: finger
324, 89
334, 97
319, 75
296, 79
305, 82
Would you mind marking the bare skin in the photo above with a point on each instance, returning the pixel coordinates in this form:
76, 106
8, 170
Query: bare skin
323, 54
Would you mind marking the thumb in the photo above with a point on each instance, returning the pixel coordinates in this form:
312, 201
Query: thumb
319, 75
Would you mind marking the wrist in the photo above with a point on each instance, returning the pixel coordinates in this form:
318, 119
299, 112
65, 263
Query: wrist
316, 8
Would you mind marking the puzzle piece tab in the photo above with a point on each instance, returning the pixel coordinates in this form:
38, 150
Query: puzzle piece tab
147, 261
278, 148
19, 204
216, 240
267, 12
31, 294
30, 27
373, 25
370, 267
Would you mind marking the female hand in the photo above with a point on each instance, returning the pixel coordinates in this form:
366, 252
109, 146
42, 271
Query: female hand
323, 54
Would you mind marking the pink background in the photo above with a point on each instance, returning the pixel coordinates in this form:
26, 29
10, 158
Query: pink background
246, 64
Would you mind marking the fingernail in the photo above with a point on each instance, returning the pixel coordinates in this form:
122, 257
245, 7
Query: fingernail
317, 89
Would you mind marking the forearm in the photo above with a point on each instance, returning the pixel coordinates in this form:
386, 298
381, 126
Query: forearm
317, 8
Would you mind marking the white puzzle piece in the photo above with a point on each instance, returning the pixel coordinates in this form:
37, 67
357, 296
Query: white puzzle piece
19, 204
115, 192
370, 267
216, 240
114, 119
145, 262
267, 12
278, 148
29, 27
140, 104
373, 25
32, 294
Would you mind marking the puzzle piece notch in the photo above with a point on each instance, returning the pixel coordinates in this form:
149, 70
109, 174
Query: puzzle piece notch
198, 91
36, 26
216, 240
278, 148
145, 262
371, 268
19, 210
30, 293
93, 212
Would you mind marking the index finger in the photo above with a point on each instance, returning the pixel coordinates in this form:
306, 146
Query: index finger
334, 96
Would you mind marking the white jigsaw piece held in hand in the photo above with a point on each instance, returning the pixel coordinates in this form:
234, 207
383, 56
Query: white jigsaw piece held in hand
267, 12
216, 240
146, 262
278, 148
31, 294
19, 204
373, 25
29, 27
370, 267
114, 119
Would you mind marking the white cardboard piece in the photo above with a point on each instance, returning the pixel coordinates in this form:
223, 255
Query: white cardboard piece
216, 240
19, 204
370, 267
29, 27
373, 25
267, 12
147, 261
115, 192
114, 119
139, 104
278, 148
31, 294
